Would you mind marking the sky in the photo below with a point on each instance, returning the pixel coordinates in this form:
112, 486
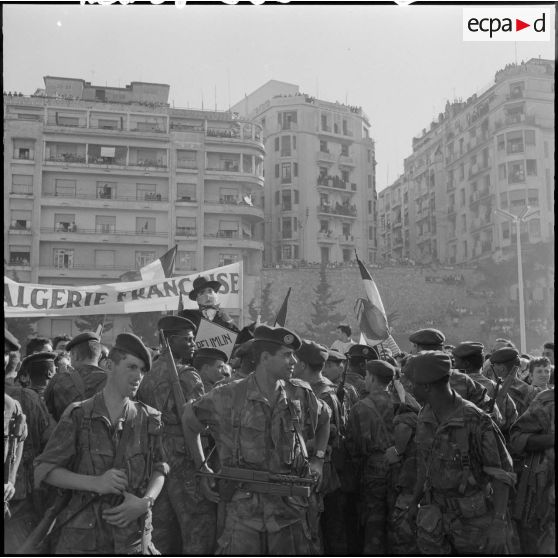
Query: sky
400, 63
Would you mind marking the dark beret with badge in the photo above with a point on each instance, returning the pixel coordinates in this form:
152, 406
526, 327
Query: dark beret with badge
277, 335
312, 353
11, 340
428, 337
84, 337
363, 352
467, 349
380, 368
200, 283
211, 354
133, 345
175, 323
428, 367
504, 355
39, 363
335, 356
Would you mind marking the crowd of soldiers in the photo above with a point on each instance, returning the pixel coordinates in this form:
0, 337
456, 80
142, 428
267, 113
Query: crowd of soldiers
301, 450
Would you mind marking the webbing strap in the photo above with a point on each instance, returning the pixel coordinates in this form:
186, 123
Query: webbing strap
372, 406
239, 398
297, 429
462, 441
78, 382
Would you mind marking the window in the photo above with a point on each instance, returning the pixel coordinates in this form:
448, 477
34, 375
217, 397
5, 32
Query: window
63, 258
228, 229
533, 197
147, 192
287, 227
369, 206
346, 230
325, 124
286, 200
295, 169
461, 171
185, 260
64, 222
145, 225
295, 192
285, 146
277, 171
516, 89
228, 195
370, 233
105, 190
530, 138
286, 177
502, 171
20, 219
504, 200
506, 230
186, 226
24, 149
463, 223
104, 258
345, 128
66, 120
20, 255
226, 259
345, 176
294, 142
324, 226
22, 184
286, 252
369, 181
517, 199
105, 224
287, 119
276, 144
143, 258
185, 192
324, 253
247, 164
462, 197
531, 167
107, 124
346, 255
535, 228
501, 142
277, 197
323, 146
465, 249
60, 326
186, 159
516, 172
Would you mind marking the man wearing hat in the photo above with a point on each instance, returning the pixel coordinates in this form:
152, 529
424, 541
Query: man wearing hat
465, 472
264, 423
505, 364
469, 360
357, 356
84, 380
204, 292
209, 364
372, 442
182, 524
114, 478
40, 369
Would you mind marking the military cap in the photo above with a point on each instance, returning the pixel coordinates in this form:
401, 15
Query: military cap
246, 333
380, 368
427, 337
429, 366
82, 338
210, 353
38, 362
175, 323
335, 356
313, 353
133, 345
244, 349
505, 354
362, 351
11, 340
467, 349
277, 335
200, 283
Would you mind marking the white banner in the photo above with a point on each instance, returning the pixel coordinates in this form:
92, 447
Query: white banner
214, 336
24, 300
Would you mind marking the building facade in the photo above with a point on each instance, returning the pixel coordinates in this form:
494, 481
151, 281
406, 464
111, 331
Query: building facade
101, 180
496, 150
320, 191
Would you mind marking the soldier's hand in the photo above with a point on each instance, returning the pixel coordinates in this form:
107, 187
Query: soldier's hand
496, 538
208, 489
316, 467
129, 510
9, 491
113, 481
392, 456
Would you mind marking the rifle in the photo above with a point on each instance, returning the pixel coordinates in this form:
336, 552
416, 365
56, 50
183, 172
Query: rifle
490, 407
520, 510
341, 387
17, 429
176, 389
263, 482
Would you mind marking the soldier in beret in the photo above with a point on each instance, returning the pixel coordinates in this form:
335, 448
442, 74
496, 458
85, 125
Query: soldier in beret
263, 422
469, 359
209, 364
357, 356
461, 458
182, 523
204, 292
115, 473
85, 379
428, 339
241, 362
41, 369
372, 442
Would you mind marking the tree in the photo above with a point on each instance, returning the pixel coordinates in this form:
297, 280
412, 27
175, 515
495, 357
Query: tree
324, 319
22, 329
253, 310
265, 309
91, 323
144, 325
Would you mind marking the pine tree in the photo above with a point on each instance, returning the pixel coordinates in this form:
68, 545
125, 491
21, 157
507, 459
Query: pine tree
324, 318
266, 309
253, 310
91, 323
144, 325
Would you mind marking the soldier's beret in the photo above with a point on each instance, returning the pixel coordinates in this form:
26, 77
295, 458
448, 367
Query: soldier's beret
133, 345
39, 362
200, 283
335, 356
278, 335
210, 353
380, 368
429, 366
505, 354
82, 338
468, 348
175, 323
362, 351
11, 340
427, 337
244, 349
313, 353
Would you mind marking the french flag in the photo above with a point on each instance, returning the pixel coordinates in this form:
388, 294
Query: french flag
161, 268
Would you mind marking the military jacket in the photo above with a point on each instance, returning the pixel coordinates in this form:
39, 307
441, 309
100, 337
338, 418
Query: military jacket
522, 394
355, 380
469, 389
12, 412
77, 385
440, 450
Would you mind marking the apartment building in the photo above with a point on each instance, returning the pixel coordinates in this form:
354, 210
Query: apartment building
496, 150
319, 176
103, 180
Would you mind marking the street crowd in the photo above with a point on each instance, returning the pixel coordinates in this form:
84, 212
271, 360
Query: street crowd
287, 447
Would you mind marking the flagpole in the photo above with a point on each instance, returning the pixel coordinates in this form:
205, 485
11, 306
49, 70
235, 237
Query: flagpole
241, 318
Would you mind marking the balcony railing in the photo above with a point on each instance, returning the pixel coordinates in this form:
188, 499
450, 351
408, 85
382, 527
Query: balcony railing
349, 211
186, 164
99, 195
19, 261
22, 190
66, 158
100, 230
186, 231
220, 168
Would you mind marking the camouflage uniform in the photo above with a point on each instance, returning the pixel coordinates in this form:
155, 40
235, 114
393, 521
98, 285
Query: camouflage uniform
85, 442
254, 433
183, 522
370, 432
356, 380
522, 394
458, 458
80, 384
535, 495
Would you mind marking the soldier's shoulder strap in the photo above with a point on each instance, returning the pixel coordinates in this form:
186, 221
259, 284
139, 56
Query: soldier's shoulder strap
240, 390
78, 381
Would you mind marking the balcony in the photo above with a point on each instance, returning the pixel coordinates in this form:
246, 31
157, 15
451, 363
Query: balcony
479, 195
336, 183
347, 161
326, 156
189, 164
234, 208
67, 158
155, 202
186, 232
346, 239
20, 262
20, 228
451, 209
232, 239
103, 234
21, 190
339, 210
326, 237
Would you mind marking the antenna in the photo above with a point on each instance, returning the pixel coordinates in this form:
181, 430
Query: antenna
229, 86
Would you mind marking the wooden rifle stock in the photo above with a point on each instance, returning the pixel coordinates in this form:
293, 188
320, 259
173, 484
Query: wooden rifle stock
495, 396
341, 387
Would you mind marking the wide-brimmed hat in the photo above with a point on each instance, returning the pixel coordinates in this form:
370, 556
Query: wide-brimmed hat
201, 283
